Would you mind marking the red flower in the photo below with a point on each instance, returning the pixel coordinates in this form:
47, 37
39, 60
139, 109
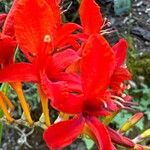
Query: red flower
121, 72
37, 28
97, 65
40, 19
92, 23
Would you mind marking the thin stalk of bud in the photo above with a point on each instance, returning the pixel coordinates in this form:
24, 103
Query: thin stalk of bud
44, 102
7, 100
5, 110
17, 86
141, 137
109, 118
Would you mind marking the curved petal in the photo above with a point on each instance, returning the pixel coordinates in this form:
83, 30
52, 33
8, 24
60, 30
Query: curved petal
50, 87
91, 18
98, 106
120, 52
18, 72
2, 19
33, 21
73, 41
100, 132
120, 75
97, 65
54, 4
69, 103
69, 56
60, 97
7, 49
74, 67
8, 28
63, 133
64, 32
73, 80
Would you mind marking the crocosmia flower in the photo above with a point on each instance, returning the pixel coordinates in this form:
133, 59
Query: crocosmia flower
97, 65
121, 72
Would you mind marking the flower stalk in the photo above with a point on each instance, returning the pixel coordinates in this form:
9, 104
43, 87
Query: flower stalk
45, 104
17, 86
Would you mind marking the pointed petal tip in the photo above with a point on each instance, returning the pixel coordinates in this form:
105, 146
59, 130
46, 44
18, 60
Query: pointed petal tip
63, 133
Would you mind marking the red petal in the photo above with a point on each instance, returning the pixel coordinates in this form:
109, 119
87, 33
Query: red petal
91, 18
7, 49
101, 134
63, 133
54, 4
69, 56
2, 16
60, 98
33, 20
18, 72
119, 76
2, 19
95, 106
8, 28
97, 65
73, 41
49, 87
64, 32
119, 139
120, 51
68, 103
72, 79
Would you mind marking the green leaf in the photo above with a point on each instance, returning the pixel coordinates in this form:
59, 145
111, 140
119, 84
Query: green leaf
1, 113
5, 88
122, 6
89, 143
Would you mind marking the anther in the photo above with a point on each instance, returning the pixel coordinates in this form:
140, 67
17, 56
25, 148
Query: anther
123, 95
105, 104
47, 38
118, 98
119, 104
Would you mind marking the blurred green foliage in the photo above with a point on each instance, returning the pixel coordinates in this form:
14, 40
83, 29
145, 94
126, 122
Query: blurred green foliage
122, 6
